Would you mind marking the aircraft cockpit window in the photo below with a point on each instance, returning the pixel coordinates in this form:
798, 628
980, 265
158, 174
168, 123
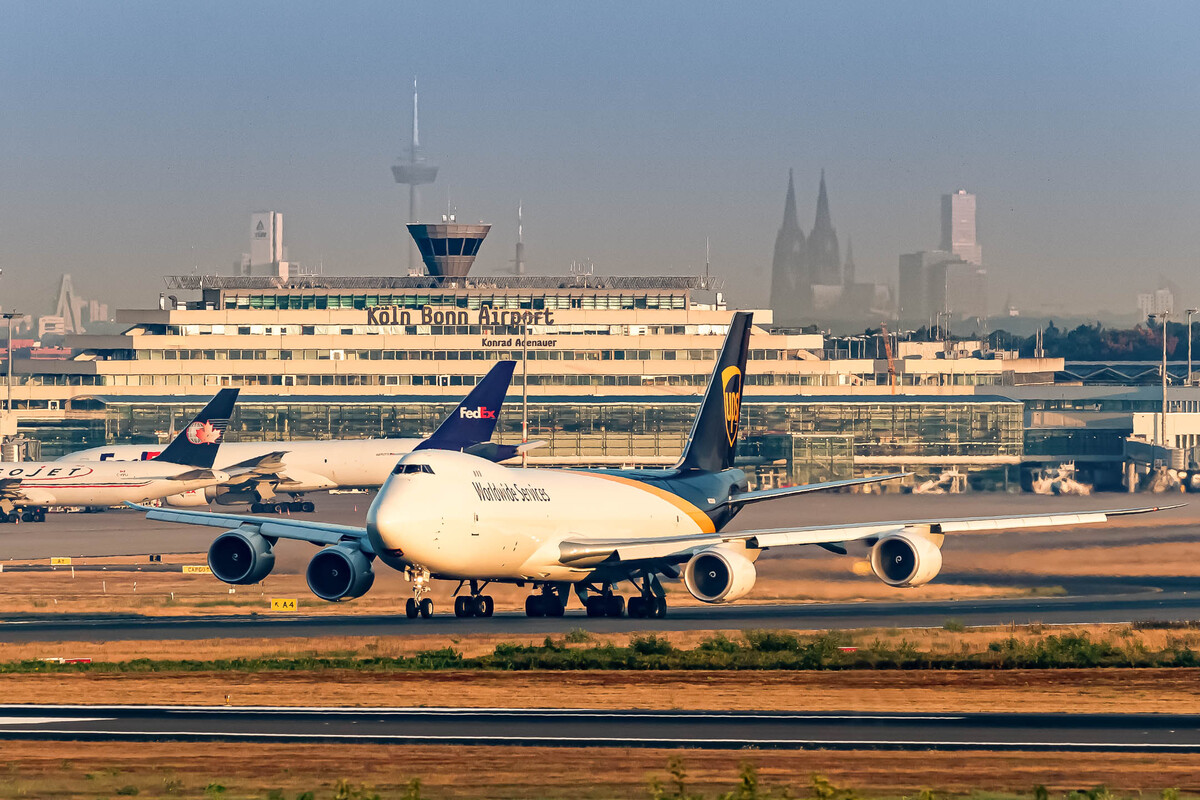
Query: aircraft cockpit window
408, 469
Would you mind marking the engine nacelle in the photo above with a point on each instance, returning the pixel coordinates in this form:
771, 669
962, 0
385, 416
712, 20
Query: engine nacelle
719, 575
338, 572
906, 559
188, 499
241, 557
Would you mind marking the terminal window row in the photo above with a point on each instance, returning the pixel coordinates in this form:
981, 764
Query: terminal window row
471, 301
442, 355
698, 379
433, 330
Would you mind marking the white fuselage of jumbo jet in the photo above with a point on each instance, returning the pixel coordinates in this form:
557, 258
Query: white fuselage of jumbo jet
308, 466
461, 517
72, 483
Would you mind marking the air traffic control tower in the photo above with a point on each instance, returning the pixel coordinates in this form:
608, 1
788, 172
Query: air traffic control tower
414, 171
448, 248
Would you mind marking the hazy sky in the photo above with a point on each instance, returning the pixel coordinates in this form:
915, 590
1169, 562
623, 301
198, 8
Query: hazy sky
136, 138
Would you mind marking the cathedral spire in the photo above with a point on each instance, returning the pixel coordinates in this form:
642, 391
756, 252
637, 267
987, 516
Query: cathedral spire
824, 261
823, 221
791, 218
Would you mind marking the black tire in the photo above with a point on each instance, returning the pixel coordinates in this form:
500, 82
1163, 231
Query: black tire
554, 606
27, 516
595, 606
39, 515
464, 607
659, 607
479, 606
534, 607
637, 607
487, 604
295, 507
426, 608
614, 606
256, 508
308, 507
410, 609
279, 508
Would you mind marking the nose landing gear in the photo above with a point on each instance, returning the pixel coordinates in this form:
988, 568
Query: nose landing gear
417, 604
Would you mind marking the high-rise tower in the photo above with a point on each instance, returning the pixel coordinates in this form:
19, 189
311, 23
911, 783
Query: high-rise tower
824, 260
958, 227
415, 171
788, 268
519, 261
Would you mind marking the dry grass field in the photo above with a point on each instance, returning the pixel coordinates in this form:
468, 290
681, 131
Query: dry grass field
157, 770
1067, 691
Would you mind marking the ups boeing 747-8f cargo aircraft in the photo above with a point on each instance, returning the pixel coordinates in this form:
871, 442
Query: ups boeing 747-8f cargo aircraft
27, 488
260, 472
455, 516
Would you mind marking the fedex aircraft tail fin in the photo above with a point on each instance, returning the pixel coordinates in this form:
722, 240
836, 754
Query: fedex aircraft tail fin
474, 419
196, 445
712, 444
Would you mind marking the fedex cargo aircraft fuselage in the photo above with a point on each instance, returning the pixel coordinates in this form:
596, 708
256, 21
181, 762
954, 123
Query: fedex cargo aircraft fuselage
310, 465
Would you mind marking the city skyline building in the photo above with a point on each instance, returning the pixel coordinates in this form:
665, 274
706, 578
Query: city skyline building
415, 171
959, 234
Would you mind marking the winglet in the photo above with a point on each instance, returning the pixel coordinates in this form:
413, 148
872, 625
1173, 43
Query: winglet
474, 419
197, 445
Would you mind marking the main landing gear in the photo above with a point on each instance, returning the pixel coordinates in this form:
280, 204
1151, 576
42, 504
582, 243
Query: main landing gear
652, 602
417, 604
294, 507
606, 604
17, 515
551, 602
474, 605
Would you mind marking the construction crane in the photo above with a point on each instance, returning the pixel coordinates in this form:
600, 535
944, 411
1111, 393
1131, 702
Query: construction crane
887, 348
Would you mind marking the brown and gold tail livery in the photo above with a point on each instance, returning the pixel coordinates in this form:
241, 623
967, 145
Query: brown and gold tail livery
712, 444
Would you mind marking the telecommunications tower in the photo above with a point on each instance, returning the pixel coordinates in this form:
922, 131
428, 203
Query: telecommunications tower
414, 171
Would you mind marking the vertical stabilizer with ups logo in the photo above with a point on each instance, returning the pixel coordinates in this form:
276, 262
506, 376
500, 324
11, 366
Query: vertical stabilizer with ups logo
712, 444
197, 445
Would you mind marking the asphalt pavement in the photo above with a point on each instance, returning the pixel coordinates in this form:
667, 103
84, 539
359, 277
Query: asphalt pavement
1173, 733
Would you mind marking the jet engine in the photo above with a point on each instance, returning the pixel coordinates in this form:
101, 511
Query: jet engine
906, 559
338, 572
188, 499
719, 575
241, 557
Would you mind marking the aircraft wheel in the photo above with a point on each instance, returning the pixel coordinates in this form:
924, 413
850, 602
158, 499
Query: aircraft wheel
39, 515
27, 516
4, 518
295, 507
464, 606
554, 606
658, 607
486, 606
595, 606
534, 607
279, 508
426, 608
308, 507
410, 609
637, 607
614, 606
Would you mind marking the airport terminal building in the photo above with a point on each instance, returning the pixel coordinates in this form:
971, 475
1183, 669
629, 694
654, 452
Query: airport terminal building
614, 366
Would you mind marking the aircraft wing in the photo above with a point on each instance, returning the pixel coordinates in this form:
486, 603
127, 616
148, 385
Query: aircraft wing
271, 527
267, 464
744, 498
679, 548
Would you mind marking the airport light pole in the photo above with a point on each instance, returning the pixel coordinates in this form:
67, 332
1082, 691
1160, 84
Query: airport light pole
1190, 312
10, 316
1162, 440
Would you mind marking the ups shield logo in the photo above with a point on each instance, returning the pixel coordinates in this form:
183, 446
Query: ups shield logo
731, 384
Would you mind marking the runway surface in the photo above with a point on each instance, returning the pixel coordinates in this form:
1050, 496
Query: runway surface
626, 728
1095, 598
1154, 605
